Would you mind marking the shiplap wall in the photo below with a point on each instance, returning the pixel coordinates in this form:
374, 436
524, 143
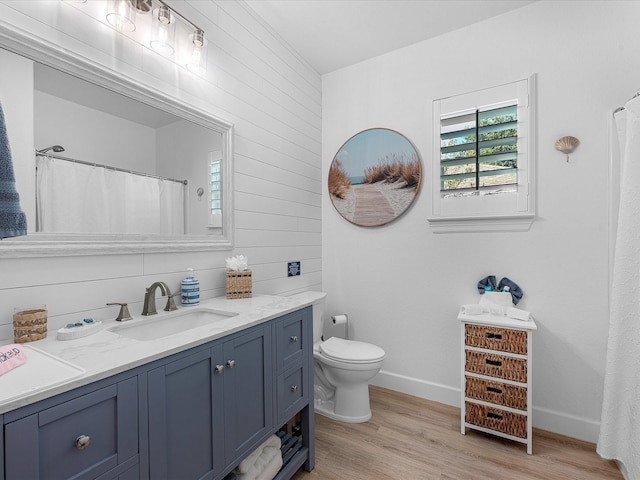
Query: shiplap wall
254, 81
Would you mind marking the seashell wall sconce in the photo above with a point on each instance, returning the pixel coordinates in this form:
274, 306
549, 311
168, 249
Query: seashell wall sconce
567, 145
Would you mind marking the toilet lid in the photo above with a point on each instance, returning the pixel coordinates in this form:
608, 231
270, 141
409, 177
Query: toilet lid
351, 351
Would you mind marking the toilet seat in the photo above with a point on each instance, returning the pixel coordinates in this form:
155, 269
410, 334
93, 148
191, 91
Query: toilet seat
351, 351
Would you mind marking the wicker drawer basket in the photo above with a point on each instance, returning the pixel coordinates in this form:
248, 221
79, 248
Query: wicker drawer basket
239, 284
494, 365
496, 392
495, 419
495, 338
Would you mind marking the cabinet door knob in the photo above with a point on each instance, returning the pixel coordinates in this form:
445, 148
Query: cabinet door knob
231, 363
294, 338
83, 441
294, 388
219, 369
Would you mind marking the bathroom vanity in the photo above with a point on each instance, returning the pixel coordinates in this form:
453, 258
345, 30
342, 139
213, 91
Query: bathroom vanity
188, 406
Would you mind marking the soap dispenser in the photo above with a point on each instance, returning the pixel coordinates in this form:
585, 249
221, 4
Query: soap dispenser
190, 289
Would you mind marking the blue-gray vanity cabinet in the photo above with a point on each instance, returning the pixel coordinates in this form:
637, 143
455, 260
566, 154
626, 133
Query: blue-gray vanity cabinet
209, 408
248, 392
191, 415
185, 415
293, 382
294, 385
92, 436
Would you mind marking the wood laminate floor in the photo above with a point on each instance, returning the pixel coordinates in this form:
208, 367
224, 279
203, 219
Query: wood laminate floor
410, 438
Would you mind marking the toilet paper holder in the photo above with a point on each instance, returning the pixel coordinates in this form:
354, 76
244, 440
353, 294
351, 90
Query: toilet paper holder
341, 320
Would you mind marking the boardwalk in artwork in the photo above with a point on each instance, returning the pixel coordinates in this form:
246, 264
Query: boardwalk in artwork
372, 206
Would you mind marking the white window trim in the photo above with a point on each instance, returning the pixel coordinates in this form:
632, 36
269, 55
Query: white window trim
482, 216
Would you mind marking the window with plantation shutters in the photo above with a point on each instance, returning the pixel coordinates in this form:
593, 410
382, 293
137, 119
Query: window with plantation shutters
482, 163
479, 149
215, 189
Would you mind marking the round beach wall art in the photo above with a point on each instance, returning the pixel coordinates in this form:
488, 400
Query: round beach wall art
374, 177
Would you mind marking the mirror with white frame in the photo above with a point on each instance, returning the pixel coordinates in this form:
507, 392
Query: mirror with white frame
107, 130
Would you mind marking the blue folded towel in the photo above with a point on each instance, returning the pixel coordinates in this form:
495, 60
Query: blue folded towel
489, 281
13, 221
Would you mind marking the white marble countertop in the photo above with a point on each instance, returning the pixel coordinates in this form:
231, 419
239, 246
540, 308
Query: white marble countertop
106, 353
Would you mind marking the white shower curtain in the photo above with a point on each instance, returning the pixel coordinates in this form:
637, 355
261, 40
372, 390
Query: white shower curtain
620, 422
77, 198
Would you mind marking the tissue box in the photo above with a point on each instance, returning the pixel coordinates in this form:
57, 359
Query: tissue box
238, 284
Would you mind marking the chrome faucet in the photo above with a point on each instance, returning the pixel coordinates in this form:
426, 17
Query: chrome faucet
149, 307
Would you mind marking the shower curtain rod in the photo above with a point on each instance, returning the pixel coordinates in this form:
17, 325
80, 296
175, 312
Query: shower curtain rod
619, 109
116, 169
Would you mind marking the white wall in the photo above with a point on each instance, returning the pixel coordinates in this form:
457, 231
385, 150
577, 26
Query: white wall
93, 136
254, 81
189, 159
402, 284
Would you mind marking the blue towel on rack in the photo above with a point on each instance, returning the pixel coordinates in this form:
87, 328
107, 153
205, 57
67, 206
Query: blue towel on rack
13, 221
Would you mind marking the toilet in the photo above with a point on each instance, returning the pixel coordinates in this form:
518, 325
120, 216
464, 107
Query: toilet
342, 371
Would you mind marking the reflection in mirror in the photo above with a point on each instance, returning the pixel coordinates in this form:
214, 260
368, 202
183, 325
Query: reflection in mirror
108, 164
110, 123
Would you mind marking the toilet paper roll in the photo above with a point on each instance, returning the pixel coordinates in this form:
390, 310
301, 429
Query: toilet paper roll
339, 319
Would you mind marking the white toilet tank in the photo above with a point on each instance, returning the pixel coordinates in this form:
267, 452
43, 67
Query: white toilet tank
318, 315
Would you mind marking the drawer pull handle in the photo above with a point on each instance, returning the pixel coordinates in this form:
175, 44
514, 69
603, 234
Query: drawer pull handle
231, 363
494, 390
494, 335
83, 441
294, 388
496, 363
494, 415
294, 338
219, 369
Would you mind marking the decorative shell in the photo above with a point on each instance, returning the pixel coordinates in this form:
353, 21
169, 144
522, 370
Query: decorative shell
567, 144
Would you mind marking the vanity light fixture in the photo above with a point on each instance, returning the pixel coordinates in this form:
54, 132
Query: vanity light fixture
153, 24
197, 63
163, 30
121, 15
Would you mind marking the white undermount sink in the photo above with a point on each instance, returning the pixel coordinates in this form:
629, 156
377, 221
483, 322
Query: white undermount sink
165, 324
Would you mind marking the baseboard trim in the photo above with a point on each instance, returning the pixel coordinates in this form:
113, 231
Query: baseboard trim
543, 418
418, 388
566, 424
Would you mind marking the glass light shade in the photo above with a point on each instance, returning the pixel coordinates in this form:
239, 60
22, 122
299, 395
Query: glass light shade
121, 15
197, 61
163, 36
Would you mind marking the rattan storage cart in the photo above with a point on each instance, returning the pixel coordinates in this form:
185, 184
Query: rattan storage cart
496, 376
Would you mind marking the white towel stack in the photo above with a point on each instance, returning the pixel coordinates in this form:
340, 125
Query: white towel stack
496, 309
263, 463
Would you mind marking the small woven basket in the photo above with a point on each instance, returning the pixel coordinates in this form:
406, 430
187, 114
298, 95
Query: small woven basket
495, 419
29, 325
239, 284
499, 393
494, 338
500, 366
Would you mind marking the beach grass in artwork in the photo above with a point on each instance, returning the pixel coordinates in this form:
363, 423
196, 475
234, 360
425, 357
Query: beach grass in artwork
374, 177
